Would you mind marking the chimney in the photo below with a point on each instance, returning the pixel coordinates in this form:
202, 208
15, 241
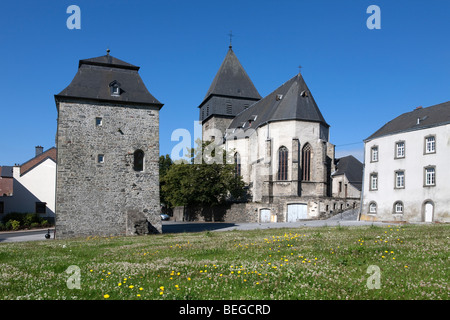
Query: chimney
39, 150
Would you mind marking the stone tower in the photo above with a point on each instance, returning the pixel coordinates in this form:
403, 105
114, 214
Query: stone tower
231, 92
107, 179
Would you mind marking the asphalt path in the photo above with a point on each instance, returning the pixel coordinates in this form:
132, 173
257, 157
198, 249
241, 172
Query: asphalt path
27, 235
180, 227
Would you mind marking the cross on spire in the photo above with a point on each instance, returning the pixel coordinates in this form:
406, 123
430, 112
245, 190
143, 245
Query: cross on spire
299, 69
231, 38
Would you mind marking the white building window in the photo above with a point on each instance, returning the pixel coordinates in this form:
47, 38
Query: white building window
430, 176
399, 179
398, 207
372, 207
400, 149
374, 181
374, 154
101, 158
430, 144
98, 122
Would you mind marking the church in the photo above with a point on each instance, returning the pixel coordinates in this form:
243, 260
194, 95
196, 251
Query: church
280, 144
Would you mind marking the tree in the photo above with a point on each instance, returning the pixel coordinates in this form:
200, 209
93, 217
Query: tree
191, 183
164, 165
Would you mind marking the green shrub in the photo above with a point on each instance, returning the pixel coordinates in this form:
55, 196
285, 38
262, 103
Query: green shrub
31, 218
34, 224
15, 225
13, 216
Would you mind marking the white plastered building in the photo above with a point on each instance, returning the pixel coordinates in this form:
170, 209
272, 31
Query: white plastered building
406, 175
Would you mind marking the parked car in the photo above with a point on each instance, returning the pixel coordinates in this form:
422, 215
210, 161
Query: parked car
164, 217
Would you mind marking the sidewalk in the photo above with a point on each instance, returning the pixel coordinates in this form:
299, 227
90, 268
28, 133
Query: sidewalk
25, 235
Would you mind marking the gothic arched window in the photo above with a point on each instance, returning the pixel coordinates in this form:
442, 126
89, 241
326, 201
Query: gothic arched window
283, 163
138, 160
306, 162
237, 164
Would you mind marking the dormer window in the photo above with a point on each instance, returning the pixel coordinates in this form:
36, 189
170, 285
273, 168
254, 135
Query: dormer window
115, 88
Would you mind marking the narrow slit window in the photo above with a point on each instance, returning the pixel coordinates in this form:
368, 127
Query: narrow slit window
306, 162
237, 164
283, 163
138, 160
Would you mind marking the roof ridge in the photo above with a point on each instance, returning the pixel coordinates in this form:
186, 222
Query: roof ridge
108, 61
290, 101
419, 118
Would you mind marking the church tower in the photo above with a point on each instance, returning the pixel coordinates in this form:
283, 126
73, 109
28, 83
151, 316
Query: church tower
231, 92
107, 180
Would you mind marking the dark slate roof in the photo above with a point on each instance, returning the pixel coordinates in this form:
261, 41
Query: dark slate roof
95, 75
108, 61
352, 168
419, 118
232, 81
6, 172
291, 101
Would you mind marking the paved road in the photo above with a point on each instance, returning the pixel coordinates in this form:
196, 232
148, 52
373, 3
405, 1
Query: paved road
28, 235
178, 227
347, 219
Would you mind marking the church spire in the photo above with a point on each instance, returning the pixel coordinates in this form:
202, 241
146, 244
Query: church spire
232, 81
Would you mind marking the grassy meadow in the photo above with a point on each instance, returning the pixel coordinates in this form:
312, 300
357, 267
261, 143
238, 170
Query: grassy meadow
301, 263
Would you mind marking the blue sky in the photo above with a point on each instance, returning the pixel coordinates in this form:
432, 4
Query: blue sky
360, 78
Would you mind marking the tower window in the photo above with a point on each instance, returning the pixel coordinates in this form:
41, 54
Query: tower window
98, 122
283, 163
306, 162
237, 164
138, 160
101, 158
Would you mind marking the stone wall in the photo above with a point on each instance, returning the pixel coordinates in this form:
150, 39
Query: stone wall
106, 197
318, 208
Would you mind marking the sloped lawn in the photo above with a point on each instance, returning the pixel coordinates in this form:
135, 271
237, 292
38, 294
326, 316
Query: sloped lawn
403, 261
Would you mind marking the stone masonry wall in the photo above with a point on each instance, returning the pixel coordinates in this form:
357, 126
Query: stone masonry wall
108, 198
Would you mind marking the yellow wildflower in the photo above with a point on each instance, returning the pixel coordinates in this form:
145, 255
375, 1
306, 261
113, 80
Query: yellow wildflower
106, 296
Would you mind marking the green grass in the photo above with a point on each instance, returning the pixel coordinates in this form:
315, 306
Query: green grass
301, 263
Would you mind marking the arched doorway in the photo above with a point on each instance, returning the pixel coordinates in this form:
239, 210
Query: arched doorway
264, 215
428, 209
